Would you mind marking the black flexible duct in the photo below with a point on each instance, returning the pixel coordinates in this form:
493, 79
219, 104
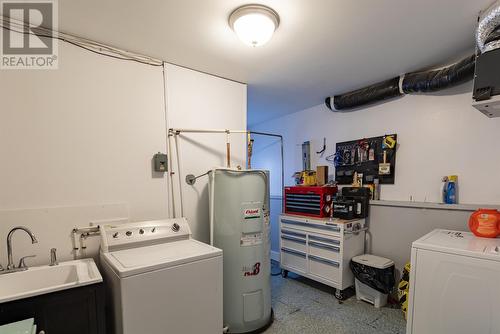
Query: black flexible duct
431, 81
424, 81
377, 92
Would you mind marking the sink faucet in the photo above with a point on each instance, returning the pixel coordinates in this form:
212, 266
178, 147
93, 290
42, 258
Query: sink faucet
10, 265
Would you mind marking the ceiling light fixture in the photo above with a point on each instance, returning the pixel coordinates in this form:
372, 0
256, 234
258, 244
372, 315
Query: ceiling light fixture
254, 24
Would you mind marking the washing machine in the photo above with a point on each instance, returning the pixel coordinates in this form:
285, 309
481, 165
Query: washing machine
454, 284
160, 280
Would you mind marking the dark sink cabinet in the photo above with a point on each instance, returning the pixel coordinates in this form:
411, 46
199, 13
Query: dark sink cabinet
76, 311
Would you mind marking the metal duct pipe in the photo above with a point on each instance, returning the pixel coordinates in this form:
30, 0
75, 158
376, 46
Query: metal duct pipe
489, 21
422, 81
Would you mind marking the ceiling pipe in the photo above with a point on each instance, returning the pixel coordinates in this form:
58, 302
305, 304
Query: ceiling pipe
487, 39
489, 22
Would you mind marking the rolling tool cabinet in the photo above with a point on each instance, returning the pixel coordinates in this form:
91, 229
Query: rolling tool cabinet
321, 249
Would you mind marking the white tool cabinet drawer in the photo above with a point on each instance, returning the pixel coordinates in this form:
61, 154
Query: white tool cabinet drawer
324, 250
308, 225
293, 240
320, 249
324, 268
295, 260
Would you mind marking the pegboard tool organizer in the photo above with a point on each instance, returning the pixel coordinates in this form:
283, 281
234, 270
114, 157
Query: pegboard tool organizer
365, 156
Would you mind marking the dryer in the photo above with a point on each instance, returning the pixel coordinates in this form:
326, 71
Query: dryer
160, 280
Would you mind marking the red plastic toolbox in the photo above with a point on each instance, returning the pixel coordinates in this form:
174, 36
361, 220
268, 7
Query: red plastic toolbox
309, 201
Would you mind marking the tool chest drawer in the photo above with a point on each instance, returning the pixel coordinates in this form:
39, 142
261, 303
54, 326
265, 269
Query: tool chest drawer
310, 225
325, 239
294, 241
295, 260
324, 250
324, 268
320, 248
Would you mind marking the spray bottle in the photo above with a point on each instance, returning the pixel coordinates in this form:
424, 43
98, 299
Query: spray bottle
442, 192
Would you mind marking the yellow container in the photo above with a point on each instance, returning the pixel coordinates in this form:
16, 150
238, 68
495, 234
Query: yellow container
309, 178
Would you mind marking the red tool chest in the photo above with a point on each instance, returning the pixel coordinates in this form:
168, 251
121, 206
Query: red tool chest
309, 201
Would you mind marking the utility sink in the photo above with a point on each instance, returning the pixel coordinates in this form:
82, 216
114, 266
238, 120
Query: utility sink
45, 279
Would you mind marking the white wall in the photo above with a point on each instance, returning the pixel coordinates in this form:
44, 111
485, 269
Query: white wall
76, 144
83, 134
199, 101
75, 141
439, 134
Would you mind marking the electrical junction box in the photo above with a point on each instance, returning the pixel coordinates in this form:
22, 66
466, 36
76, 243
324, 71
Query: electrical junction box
160, 162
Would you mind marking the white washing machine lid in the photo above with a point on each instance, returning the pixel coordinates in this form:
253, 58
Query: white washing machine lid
461, 243
128, 262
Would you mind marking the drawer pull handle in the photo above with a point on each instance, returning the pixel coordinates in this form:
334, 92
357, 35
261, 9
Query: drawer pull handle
292, 222
293, 239
327, 227
286, 250
301, 206
332, 248
325, 261
334, 228
335, 242
295, 234
302, 196
303, 201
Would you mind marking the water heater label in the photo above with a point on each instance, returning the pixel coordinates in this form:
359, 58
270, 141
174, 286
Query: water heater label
251, 270
251, 213
251, 239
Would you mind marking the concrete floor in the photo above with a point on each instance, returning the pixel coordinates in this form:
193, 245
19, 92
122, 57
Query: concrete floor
304, 306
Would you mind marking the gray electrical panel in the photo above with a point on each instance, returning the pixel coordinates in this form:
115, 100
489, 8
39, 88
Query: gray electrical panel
306, 155
160, 162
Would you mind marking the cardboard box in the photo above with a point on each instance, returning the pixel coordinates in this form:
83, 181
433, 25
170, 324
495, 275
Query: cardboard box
322, 175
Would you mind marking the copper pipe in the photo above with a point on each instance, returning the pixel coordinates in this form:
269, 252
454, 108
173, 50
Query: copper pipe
249, 150
228, 149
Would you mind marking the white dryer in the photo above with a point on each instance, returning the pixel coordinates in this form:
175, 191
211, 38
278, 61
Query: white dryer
454, 284
160, 280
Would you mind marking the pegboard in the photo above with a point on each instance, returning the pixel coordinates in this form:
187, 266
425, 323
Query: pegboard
355, 156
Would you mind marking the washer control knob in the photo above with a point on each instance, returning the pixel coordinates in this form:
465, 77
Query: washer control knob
176, 227
141, 231
115, 235
128, 233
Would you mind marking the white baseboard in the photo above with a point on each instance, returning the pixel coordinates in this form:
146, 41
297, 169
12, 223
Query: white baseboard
275, 256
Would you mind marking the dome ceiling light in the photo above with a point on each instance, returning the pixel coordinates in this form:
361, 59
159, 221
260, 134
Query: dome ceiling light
254, 24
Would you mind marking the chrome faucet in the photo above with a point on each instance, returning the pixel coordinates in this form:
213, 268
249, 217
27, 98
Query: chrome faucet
10, 265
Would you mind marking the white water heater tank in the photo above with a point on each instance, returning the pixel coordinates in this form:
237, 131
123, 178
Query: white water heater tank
239, 225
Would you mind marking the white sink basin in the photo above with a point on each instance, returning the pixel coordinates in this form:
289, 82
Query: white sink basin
45, 279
